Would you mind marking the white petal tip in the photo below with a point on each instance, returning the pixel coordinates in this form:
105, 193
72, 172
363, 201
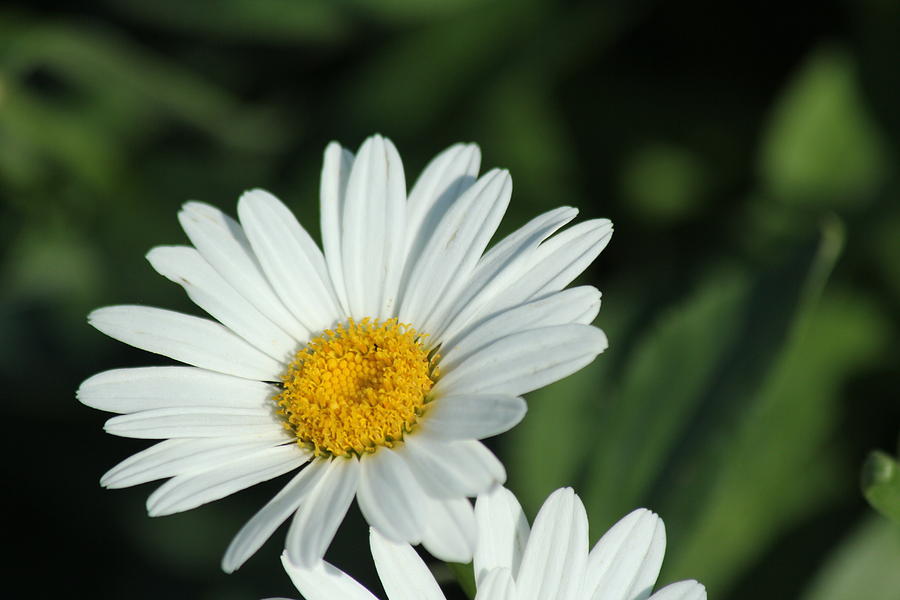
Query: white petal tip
255, 195
599, 342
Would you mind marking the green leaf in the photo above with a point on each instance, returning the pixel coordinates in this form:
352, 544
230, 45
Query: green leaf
881, 484
691, 379
660, 390
821, 147
863, 566
784, 444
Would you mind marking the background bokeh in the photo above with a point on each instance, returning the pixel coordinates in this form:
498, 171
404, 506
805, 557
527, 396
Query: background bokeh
747, 154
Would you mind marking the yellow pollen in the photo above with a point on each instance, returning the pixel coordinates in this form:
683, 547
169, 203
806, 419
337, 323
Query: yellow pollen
357, 387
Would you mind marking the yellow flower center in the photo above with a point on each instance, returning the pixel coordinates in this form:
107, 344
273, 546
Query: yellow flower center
357, 387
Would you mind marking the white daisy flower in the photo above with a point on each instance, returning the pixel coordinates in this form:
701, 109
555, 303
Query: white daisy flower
551, 562
376, 365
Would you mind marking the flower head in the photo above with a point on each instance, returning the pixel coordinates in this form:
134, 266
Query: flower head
371, 368
550, 562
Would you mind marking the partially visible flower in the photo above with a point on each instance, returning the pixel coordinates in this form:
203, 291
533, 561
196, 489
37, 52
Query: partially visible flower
370, 368
551, 562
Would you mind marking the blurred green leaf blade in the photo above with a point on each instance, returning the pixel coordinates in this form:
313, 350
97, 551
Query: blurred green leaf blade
782, 464
692, 378
863, 566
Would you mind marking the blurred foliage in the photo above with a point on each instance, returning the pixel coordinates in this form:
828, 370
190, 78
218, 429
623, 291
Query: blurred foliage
863, 566
748, 160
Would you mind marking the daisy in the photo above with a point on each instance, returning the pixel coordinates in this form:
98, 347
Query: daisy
371, 368
551, 562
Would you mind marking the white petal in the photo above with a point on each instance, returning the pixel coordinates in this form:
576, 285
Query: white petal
209, 291
173, 457
292, 262
555, 263
191, 490
373, 230
258, 529
222, 242
325, 582
188, 339
625, 562
502, 532
402, 572
390, 498
196, 421
575, 305
499, 268
454, 247
497, 585
524, 361
322, 512
442, 181
143, 388
683, 590
452, 469
554, 560
450, 534
332, 190
472, 417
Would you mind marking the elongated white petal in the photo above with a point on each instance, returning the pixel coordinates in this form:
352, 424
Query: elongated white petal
452, 469
258, 529
683, 590
373, 230
144, 388
191, 490
625, 562
554, 561
325, 582
320, 514
332, 190
194, 422
222, 242
175, 456
292, 262
554, 264
473, 417
498, 269
402, 572
450, 533
524, 361
212, 293
454, 248
188, 339
497, 585
442, 181
384, 497
576, 305
503, 532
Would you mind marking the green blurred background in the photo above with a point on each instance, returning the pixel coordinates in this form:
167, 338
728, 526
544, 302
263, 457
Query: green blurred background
746, 153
